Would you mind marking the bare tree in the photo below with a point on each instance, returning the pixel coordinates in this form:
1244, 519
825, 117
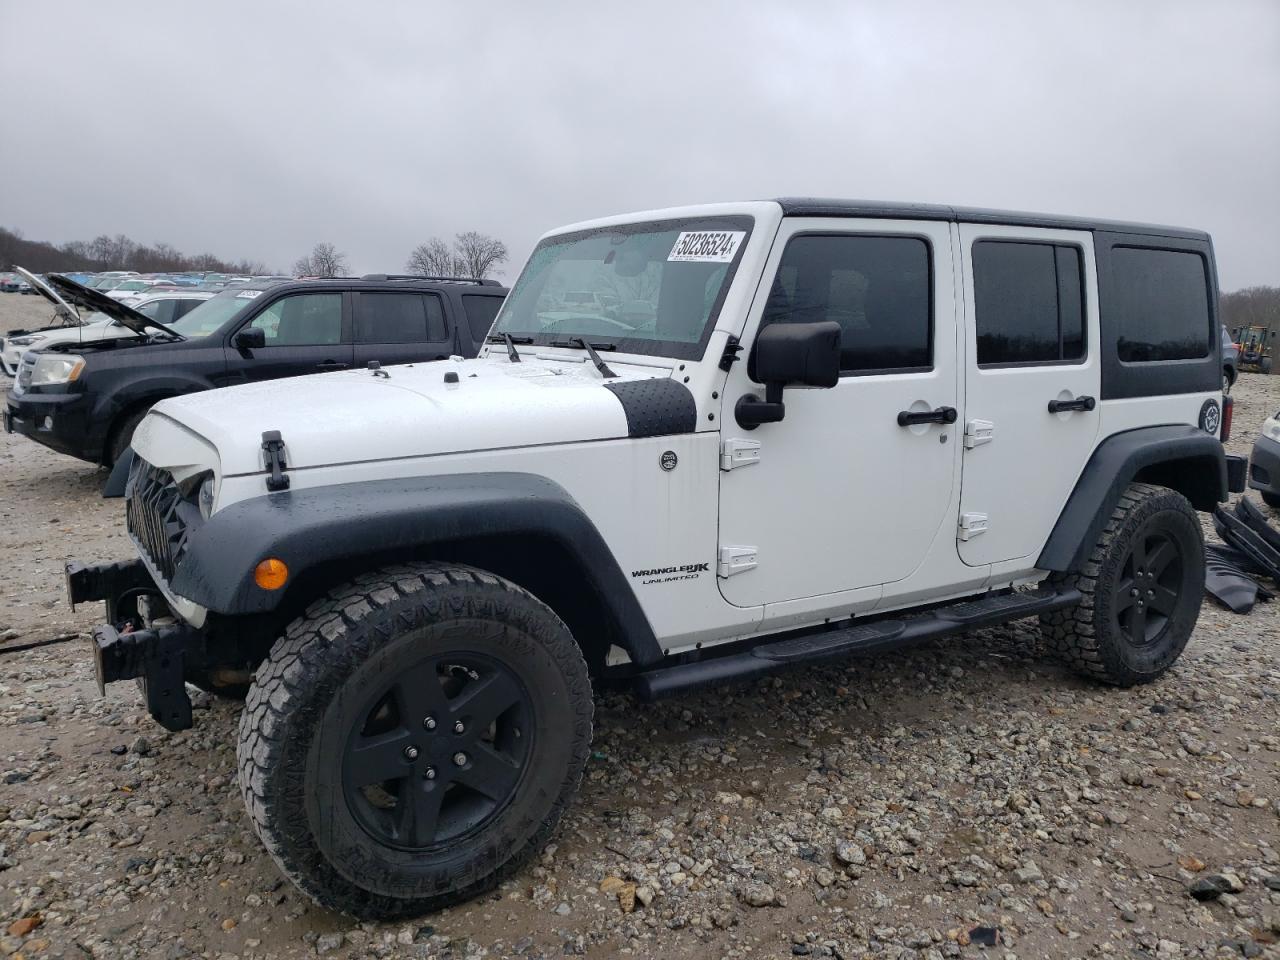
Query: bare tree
472, 254
323, 261
478, 253
432, 259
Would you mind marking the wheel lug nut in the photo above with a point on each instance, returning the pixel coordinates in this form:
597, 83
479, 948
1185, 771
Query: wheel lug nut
459, 727
1133, 593
430, 773
411, 753
459, 759
429, 723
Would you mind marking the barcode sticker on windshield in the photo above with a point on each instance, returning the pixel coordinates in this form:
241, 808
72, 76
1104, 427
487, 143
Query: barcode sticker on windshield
706, 246
247, 294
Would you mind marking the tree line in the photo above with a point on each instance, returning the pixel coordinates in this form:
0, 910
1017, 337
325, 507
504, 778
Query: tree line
471, 254
111, 253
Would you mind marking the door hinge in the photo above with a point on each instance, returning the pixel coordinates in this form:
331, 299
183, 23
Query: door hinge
734, 560
978, 432
972, 525
273, 460
737, 452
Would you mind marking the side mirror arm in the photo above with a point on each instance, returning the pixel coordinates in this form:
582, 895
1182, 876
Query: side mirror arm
750, 411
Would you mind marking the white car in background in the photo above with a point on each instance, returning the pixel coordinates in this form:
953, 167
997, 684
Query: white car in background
133, 289
99, 321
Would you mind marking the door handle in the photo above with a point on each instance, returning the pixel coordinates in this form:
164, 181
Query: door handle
1079, 403
332, 365
941, 415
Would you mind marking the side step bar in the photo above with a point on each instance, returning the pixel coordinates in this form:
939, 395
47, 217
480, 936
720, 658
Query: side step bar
828, 643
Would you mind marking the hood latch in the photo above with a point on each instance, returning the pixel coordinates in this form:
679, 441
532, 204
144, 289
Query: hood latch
273, 460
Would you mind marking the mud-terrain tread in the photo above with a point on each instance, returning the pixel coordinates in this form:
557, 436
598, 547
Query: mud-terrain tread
290, 668
1072, 632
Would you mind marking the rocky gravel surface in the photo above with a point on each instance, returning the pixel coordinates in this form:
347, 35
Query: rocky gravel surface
967, 799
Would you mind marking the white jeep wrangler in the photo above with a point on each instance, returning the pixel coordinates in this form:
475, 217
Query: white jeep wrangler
776, 432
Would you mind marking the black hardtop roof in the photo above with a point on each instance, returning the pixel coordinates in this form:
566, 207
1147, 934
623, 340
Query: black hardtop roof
826, 207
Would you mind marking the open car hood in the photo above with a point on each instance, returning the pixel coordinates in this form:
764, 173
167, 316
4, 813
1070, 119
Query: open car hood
64, 310
95, 300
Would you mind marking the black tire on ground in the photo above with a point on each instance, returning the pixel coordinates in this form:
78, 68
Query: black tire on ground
1270, 499
374, 810
122, 435
1142, 587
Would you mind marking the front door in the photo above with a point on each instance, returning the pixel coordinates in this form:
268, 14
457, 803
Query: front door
304, 334
1031, 385
854, 487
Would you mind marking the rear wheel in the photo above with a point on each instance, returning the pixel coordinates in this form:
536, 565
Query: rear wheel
1142, 587
1270, 499
414, 738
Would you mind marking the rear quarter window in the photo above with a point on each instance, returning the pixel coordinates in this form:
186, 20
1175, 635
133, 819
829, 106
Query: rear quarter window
480, 312
1161, 303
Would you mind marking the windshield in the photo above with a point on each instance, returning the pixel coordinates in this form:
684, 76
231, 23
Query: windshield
652, 288
208, 317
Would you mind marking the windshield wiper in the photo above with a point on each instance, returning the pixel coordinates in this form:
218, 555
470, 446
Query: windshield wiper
512, 353
591, 352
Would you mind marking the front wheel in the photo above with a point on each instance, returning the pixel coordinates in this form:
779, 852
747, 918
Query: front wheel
413, 739
1141, 587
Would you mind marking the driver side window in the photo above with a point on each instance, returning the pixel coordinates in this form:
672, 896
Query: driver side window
308, 319
879, 289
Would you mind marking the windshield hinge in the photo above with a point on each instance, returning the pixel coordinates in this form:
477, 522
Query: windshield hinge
732, 348
273, 460
737, 452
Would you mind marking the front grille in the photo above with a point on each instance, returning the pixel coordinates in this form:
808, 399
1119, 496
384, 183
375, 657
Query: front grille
156, 515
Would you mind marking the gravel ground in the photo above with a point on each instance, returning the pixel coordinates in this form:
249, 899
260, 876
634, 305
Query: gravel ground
908, 806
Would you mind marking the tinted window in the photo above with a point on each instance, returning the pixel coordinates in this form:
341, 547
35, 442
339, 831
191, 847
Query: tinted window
308, 319
1161, 304
398, 318
185, 306
1028, 302
480, 313
877, 288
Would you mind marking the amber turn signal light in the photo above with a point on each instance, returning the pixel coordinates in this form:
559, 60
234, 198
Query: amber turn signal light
270, 574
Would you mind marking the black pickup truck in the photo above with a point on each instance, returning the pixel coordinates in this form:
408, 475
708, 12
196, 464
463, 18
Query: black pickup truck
85, 400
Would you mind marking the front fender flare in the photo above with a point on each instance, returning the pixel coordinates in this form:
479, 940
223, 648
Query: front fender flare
312, 526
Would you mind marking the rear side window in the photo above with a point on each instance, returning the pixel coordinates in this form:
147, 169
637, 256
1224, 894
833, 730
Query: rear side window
877, 288
1161, 304
1028, 303
399, 318
480, 313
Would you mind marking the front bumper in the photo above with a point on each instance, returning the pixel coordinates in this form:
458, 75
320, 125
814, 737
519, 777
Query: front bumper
1264, 465
60, 421
140, 641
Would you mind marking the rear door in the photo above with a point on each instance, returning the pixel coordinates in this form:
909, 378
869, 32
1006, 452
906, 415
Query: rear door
400, 327
305, 333
1032, 379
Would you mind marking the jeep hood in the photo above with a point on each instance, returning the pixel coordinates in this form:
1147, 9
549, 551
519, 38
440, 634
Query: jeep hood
357, 416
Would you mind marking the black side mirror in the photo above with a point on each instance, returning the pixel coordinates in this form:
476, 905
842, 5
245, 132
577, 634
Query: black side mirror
251, 338
789, 355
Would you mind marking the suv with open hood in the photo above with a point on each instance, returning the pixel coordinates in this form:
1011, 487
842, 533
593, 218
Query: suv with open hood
85, 399
701, 445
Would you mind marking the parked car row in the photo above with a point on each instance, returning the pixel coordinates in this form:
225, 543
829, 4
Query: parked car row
81, 388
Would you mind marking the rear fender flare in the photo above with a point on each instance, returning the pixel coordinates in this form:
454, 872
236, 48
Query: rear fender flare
1179, 456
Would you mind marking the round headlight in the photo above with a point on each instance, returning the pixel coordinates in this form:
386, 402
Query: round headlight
205, 498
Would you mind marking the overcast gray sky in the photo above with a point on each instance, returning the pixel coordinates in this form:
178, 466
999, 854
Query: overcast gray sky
256, 129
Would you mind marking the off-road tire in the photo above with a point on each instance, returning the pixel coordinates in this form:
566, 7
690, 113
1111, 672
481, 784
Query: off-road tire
381, 621
1088, 637
1270, 499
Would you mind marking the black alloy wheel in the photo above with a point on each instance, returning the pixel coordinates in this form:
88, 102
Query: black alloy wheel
1146, 592
439, 752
